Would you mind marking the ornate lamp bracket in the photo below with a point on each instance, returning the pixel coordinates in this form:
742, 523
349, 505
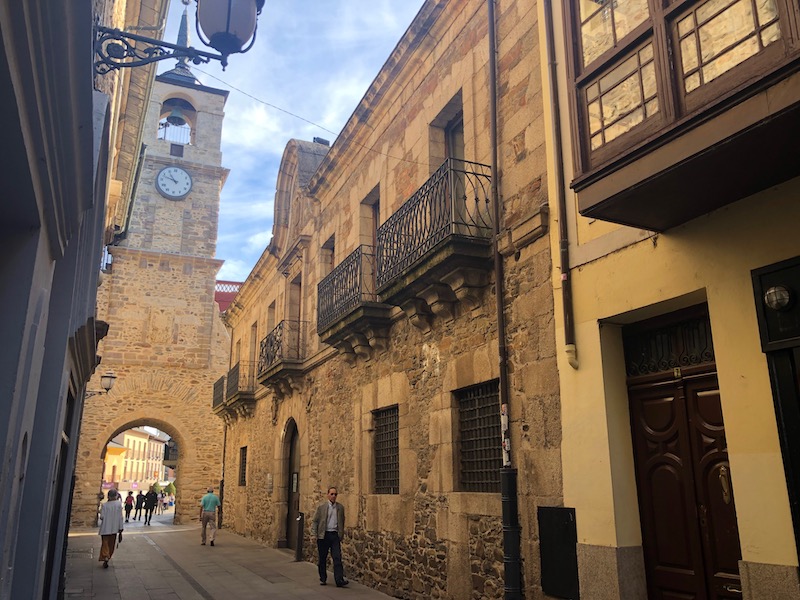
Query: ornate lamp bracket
116, 49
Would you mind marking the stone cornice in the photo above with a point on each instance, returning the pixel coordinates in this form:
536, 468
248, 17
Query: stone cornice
210, 170
178, 258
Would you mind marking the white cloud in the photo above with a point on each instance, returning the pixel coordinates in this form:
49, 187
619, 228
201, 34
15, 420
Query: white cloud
315, 59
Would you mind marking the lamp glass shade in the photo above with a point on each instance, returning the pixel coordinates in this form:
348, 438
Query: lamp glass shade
107, 381
228, 24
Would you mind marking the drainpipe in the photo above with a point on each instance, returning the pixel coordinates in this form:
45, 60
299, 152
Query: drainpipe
563, 231
508, 474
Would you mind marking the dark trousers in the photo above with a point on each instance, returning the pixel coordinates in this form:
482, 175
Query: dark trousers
330, 543
137, 513
128, 509
148, 513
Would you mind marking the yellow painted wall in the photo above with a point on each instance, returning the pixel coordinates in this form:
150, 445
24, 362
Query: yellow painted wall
621, 275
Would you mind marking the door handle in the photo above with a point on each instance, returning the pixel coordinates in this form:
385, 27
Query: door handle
732, 589
725, 484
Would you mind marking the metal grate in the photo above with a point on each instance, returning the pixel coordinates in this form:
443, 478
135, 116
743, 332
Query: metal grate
480, 437
387, 451
243, 465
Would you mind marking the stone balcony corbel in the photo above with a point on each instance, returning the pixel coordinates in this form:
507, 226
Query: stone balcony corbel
419, 313
467, 284
441, 300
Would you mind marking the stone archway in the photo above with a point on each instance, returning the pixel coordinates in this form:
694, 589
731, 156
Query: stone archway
168, 403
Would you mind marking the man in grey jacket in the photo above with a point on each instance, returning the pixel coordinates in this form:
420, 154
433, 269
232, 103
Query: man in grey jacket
328, 527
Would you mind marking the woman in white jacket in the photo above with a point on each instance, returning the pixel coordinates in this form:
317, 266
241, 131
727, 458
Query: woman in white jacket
110, 526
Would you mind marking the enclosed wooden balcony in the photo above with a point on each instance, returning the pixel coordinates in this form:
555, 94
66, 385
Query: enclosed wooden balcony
349, 315
218, 398
693, 108
435, 251
280, 364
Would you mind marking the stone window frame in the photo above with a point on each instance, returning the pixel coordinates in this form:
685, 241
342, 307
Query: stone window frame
678, 110
243, 466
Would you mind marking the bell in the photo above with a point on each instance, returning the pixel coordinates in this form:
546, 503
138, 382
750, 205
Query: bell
176, 118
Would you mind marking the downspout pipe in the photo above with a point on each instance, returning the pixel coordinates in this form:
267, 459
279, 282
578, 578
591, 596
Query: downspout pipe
508, 474
563, 230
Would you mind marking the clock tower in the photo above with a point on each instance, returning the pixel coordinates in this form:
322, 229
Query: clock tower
166, 342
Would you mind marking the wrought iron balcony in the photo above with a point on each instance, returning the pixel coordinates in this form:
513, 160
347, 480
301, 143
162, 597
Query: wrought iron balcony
241, 380
437, 247
219, 393
280, 362
349, 315
454, 202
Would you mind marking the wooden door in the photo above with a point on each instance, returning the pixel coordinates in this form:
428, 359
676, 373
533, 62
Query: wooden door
688, 515
293, 504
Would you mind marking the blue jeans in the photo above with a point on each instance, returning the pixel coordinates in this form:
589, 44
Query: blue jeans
330, 542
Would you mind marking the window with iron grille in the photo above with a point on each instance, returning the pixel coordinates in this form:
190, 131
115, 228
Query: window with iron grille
243, 465
387, 451
480, 455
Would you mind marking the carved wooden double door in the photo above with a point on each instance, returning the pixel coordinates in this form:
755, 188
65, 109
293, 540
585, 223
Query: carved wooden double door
686, 500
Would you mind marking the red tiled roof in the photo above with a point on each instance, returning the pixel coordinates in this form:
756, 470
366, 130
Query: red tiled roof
225, 292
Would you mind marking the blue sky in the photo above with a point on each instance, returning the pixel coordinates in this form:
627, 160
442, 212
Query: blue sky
314, 58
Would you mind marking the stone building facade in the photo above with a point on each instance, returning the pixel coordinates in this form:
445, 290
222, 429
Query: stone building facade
166, 340
365, 344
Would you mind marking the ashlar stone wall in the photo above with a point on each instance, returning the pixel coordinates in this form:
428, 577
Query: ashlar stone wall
431, 539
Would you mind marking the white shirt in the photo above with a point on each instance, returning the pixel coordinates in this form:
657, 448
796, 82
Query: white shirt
110, 518
333, 518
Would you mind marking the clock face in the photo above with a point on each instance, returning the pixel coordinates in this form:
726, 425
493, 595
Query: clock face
173, 183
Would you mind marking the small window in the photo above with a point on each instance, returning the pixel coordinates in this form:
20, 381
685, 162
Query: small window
387, 451
480, 455
243, 465
176, 150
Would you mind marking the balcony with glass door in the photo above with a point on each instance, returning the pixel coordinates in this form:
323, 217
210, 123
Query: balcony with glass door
241, 387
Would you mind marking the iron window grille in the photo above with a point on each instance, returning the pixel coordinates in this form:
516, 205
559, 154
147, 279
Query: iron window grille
480, 437
387, 451
243, 465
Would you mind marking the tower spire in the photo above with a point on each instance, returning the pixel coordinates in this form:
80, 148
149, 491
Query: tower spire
183, 32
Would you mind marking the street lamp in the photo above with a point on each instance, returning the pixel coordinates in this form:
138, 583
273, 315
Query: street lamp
227, 24
106, 382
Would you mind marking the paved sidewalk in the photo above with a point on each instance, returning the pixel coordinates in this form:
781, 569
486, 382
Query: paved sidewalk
166, 562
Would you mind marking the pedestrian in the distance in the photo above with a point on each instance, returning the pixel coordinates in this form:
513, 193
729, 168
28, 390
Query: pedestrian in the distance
139, 506
150, 503
328, 527
209, 504
129, 500
110, 527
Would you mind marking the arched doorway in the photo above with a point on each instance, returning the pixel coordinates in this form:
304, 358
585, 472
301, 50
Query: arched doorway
293, 483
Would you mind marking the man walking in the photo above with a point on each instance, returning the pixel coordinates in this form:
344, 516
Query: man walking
328, 527
208, 515
150, 501
139, 506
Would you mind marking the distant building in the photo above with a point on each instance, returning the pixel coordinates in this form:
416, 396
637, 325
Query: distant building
134, 460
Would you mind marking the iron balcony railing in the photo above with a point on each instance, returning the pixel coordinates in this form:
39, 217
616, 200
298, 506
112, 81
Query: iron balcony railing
284, 343
219, 392
350, 284
453, 202
241, 378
